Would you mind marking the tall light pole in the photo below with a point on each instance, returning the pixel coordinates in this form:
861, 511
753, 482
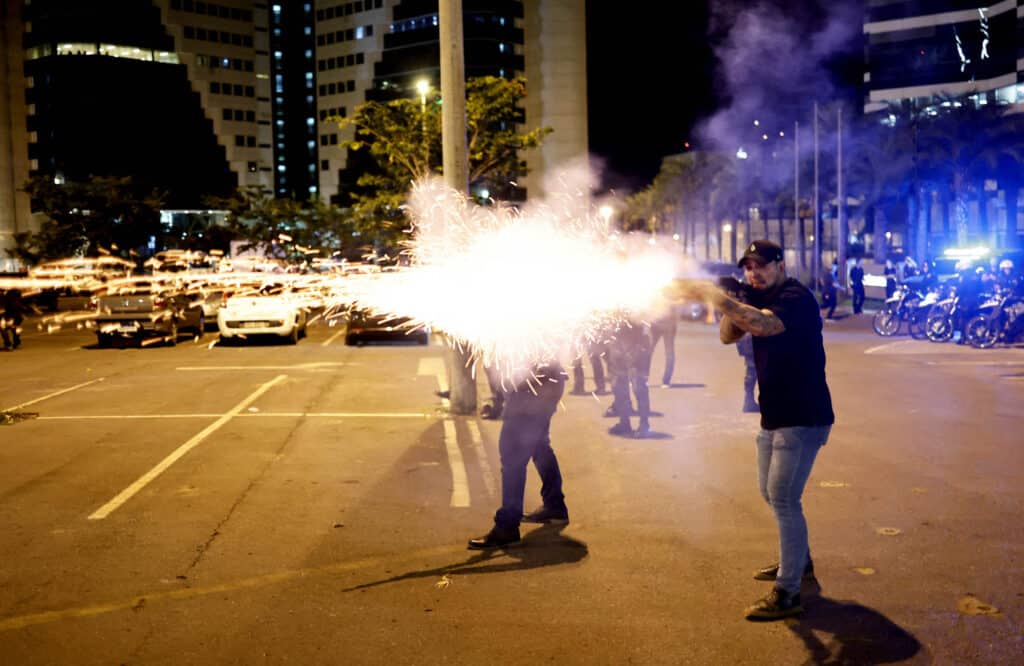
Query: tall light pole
423, 87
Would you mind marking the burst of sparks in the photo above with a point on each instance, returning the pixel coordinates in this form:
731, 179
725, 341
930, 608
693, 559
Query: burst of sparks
519, 287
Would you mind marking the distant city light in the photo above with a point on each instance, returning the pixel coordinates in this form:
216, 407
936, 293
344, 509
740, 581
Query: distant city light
741, 154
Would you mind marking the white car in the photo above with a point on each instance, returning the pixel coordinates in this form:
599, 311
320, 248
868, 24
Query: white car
283, 314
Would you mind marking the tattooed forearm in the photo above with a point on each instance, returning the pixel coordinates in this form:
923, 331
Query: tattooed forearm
729, 332
748, 318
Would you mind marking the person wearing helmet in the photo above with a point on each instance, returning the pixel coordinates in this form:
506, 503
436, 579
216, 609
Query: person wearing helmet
1007, 278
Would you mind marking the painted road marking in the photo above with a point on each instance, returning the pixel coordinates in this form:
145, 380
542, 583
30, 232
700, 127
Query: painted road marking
320, 365
290, 415
52, 395
333, 338
460, 482
141, 482
434, 365
481, 454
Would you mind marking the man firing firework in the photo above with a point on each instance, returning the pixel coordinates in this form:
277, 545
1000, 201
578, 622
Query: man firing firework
796, 407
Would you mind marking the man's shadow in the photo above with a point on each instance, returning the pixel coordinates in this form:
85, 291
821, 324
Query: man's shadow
543, 547
859, 635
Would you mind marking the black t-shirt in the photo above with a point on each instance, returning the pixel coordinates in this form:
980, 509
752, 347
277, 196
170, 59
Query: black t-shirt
791, 365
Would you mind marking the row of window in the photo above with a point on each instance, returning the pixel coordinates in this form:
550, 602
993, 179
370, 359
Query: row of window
347, 9
340, 112
328, 139
336, 88
221, 36
238, 90
239, 115
245, 141
219, 62
344, 35
212, 9
341, 61
418, 23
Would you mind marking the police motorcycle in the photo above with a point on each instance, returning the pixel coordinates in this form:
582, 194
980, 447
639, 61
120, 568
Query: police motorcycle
897, 309
996, 321
917, 318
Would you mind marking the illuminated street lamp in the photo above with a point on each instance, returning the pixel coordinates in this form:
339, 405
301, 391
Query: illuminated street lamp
423, 87
728, 229
606, 212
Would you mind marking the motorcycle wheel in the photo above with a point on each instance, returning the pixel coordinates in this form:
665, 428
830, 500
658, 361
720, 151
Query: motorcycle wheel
916, 326
885, 323
939, 328
980, 333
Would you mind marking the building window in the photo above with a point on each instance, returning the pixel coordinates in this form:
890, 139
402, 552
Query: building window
252, 167
325, 165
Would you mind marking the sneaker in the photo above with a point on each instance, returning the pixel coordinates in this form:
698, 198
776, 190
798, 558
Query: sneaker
497, 538
643, 431
612, 412
621, 429
548, 516
772, 572
490, 412
777, 605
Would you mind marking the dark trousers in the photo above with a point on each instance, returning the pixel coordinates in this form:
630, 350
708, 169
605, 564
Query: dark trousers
630, 368
525, 435
668, 335
858, 298
597, 364
9, 332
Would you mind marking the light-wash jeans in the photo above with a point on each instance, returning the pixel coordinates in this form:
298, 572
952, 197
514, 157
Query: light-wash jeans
784, 460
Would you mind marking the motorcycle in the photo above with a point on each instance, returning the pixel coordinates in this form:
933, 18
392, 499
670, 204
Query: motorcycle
897, 309
995, 322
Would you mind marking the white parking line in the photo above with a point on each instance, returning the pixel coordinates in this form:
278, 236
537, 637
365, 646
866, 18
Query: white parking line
290, 415
481, 454
135, 487
53, 395
319, 365
460, 483
333, 338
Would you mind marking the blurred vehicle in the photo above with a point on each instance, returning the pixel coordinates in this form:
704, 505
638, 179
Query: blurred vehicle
141, 309
270, 310
364, 327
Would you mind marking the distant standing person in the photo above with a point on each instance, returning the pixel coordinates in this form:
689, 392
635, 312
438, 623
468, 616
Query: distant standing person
664, 329
745, 348
629, 359
796, 407
597, 365
890, 279
14, 309
857, 286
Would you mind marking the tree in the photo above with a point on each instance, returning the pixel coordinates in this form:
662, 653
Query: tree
399, 141
102, 215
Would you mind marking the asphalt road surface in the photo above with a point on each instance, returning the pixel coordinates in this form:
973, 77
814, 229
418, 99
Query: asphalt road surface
311, 504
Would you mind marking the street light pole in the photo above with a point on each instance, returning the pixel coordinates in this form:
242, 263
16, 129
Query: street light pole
423, 86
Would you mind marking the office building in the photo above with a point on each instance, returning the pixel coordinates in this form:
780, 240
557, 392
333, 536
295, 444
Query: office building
200, 98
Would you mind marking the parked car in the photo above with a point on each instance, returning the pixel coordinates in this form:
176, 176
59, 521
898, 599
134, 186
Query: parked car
141, 309
267, 311
364, 327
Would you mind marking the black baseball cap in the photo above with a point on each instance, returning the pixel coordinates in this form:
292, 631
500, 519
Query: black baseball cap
764, 251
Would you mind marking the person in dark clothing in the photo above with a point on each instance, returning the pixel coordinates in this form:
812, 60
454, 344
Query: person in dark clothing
664, 329
526, 435
857, 286
796, 406
597, 364
829, 295
890, 278
629, 359
14, 309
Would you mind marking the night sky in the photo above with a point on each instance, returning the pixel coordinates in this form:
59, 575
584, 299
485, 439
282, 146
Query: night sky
655, 78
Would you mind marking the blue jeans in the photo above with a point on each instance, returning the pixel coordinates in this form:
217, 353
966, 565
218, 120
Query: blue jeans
525, 435
784, 460
666, 333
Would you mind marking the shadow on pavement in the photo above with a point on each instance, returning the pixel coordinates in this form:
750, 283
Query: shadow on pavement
859, 635
546, 546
